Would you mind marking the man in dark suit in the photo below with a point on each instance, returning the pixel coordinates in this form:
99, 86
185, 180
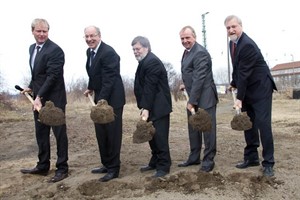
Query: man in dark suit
47, 84
252, 79
153, 98
103, 69
197, 76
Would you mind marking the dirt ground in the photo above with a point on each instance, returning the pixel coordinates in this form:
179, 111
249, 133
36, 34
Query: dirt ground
18, 150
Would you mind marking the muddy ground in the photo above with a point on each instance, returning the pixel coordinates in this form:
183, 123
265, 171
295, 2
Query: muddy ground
18, 150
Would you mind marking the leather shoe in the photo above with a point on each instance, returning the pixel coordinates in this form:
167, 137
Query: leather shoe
146, 168
109, 176
160, 173
268, 171
247, 163
58, 177
35, 171
186, 164
207, 168
99, 170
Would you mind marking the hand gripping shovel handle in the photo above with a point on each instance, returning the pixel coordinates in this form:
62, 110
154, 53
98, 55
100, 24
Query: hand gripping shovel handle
187, 97
91, 99
26, 94
238, 110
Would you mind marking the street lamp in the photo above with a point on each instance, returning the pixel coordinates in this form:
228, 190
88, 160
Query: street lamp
203, 29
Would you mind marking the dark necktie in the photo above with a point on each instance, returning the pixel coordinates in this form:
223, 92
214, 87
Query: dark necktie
35, 55
185, 54
92, 54
233, 47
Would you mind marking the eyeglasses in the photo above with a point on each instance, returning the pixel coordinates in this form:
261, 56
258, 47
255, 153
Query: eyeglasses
137, 49
90, 36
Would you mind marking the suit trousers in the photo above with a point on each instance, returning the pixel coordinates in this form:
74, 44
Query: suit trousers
109, 138
43, 142
160, 151
210, 141
260, 114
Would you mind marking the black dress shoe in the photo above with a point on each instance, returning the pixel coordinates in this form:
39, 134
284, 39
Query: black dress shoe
146, 168
35, 171
109, 176
58, 177
207, 168
186, 164
160, 173
99, 170
247, 163
268, 171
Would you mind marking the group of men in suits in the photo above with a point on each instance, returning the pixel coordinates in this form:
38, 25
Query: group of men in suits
251, 78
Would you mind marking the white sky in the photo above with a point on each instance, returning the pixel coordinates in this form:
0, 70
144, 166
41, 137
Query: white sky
272, 25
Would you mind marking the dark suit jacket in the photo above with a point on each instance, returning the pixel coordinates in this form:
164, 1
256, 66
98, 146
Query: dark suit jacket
151, 87
48, 74
197, 76
104, 76
251, 74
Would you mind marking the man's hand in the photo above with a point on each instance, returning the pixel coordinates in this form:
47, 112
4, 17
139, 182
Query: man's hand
37, 104
28, 90
88, 92
144, 114
231, 88
237, 104
181, 87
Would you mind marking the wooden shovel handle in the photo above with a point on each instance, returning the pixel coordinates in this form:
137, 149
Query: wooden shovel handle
27, 95
187, 97
91, 99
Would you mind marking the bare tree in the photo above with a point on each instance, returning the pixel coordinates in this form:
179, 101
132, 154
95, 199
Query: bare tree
221, 76
129, 89
76, 88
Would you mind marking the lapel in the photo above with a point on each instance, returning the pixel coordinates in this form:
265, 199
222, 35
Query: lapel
189, 57
97, 55
31, 50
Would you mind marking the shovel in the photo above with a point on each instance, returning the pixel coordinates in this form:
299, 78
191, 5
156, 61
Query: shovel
144, 131
241, 121
49, 114
102, 113
199, 120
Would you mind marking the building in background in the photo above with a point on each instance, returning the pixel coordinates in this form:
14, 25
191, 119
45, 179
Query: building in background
287, 75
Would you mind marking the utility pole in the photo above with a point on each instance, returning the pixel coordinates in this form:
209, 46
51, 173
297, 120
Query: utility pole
228, 60
203, 29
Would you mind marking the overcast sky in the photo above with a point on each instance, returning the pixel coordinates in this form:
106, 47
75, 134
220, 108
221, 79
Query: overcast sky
272, 24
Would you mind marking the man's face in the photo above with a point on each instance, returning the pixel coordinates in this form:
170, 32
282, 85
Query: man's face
139, 51
92, 39
188, 39
234, 30
40, 33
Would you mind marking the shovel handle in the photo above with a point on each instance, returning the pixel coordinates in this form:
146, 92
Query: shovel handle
27, 95
187, 97
91, 99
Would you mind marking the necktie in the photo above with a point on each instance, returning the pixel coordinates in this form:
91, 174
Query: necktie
185, 54
92, 54
37, 51
233, 47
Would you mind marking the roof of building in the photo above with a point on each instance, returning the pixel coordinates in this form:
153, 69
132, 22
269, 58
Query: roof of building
289, 65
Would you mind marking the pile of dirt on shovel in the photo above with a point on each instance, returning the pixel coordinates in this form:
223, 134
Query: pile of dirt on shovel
144, 132
241, 122
102, 113
51, 115
201, 120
